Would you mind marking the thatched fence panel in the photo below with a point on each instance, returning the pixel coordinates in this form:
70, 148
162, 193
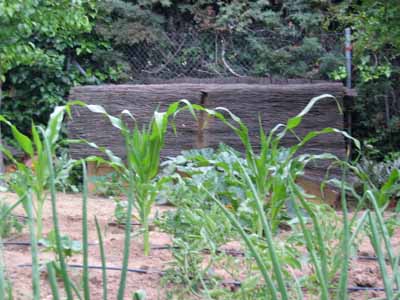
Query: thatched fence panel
273, 103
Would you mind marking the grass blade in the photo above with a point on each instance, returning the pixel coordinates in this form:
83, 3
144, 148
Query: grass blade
52, 280
86, 289
34, 247
385, 234
2, 273
127, 241
308, 239
268, 236
103, 259
375, 241
63, 266
250, 245
343, 294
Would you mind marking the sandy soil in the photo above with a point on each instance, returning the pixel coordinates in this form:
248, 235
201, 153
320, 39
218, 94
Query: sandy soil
363, 273
69, 210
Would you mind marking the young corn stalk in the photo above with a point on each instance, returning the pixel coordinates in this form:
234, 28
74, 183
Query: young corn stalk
35, 177
272, 174
143, 146
272, 166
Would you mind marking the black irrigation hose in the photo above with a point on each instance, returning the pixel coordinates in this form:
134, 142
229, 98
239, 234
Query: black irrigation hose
241, 253
29, 243
123, 224
132, 270
375, 289
227, 251
367, 257
225, 282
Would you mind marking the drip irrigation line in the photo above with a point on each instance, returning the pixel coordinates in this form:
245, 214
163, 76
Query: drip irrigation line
224, 283
17, 243
241, 253
219, 251
20, 216
132, 270
123, 224
350, 289
361, 288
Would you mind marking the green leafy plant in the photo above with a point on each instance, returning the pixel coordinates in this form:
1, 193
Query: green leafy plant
139, 295
68, 246
10, 223
143, 147
35, 177
338, 74
46, 144
108, 185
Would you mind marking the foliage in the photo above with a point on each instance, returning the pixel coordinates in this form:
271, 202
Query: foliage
143, 147
379, 173
36, 178
316, 237
10, 224
51, 51
68, 174
376, 45
69, 247
21, 20
139, 295
63, 246
108, 185
269, 39
217, 170
120, 211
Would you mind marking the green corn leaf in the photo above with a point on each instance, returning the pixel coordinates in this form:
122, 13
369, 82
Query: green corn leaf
53, 129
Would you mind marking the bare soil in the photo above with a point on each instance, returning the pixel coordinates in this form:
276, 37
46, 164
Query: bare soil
363, 273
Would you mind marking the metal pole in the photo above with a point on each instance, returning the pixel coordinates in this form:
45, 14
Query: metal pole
2, 168
348, 48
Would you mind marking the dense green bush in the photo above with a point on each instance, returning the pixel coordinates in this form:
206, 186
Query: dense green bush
42, 59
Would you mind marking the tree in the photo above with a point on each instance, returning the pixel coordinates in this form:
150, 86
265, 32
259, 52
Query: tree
24, 23
376, 34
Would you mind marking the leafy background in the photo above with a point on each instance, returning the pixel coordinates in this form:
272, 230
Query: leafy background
45, 52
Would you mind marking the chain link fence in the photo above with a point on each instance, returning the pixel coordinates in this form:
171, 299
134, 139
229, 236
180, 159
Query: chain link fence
216, 54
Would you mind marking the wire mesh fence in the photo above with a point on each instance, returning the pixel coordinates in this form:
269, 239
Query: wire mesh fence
221, 54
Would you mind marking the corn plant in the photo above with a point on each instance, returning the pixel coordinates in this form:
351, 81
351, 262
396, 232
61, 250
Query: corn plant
35, 178
271, 175
143, 146
71, 290
269, 169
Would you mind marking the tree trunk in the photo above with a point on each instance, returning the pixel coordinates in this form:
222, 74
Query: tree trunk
2, 169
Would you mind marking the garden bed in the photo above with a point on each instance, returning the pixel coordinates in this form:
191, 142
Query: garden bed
364, 273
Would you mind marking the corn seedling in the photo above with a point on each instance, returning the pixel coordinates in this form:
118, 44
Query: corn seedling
143, 147
35, 178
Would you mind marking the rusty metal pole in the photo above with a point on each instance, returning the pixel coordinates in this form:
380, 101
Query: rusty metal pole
347, 33
348, 54
2, 168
